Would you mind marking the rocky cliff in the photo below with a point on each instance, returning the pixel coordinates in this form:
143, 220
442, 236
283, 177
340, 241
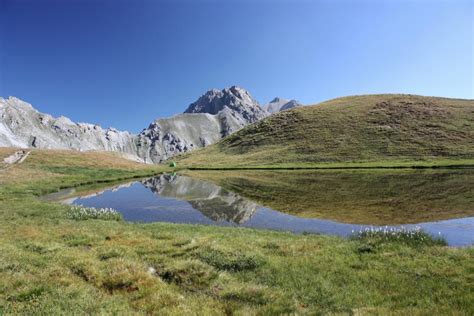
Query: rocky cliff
23, 126
236, 100
214, 115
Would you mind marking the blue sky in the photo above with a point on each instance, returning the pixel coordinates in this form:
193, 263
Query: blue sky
125, 63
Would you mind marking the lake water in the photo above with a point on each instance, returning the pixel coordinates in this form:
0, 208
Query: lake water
326, 202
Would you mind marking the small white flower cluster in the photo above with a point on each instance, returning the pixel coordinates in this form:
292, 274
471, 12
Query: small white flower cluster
393, 233
80, 212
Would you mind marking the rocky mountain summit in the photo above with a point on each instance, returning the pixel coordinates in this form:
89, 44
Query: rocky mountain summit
237, 100
280, 104
214, 115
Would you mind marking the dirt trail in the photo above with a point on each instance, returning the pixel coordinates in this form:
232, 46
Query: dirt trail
17, 158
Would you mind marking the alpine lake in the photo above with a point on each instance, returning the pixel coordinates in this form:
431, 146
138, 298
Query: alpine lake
338, 202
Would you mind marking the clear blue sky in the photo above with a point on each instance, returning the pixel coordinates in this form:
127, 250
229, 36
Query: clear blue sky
125, 63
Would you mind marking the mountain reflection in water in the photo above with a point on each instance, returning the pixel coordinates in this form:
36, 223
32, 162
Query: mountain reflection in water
211, 200
184, 199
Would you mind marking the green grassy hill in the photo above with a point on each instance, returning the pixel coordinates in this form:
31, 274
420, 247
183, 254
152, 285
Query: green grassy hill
367, 129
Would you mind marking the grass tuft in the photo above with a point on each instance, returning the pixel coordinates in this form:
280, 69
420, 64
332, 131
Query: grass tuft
230, 260
112, 253
249, 295
192, 275
27, 295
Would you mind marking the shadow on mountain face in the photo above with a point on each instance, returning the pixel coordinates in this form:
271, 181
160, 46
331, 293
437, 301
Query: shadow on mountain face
210, 199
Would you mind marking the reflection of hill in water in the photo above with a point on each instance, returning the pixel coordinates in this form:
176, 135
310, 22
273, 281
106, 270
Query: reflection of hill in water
211, 200
376, 197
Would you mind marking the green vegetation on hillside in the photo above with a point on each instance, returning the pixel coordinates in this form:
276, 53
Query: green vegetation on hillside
373, 130
53, 264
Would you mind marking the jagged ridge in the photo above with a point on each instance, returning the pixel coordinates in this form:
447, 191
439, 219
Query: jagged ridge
216, 114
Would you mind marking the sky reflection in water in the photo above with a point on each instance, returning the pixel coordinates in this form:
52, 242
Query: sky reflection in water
182, 199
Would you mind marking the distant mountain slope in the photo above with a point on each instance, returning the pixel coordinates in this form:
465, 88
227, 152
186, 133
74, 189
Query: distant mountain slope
351, 129
214, 115
165, 138
279, 104
23, 126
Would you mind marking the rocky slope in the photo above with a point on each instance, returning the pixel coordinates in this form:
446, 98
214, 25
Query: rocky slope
238, 101
23, 126
214, 115
279, 104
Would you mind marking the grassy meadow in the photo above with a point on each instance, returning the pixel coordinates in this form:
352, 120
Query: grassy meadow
55, 263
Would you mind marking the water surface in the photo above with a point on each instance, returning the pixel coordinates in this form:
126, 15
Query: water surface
327, 202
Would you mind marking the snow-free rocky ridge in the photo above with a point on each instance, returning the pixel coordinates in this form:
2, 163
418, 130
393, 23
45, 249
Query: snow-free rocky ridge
214, 115
280, 104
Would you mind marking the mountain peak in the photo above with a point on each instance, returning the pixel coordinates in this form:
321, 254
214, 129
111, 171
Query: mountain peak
234, 99
16, 103
277, 99
237, 91
279, 104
